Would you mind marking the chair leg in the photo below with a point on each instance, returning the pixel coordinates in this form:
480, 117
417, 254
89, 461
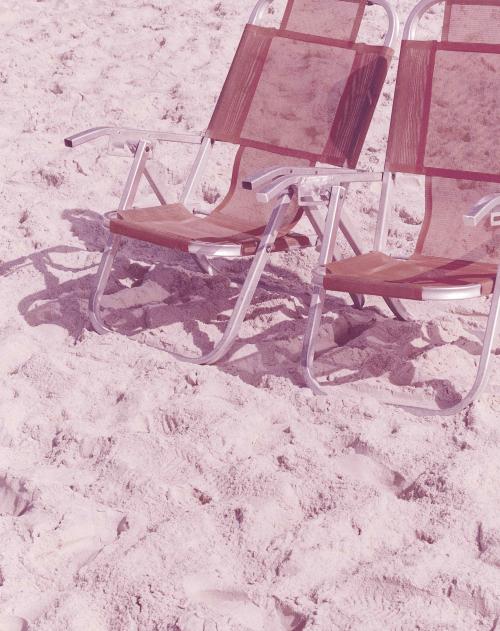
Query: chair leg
307, 359
358, 300
204, 264
482, 369
103, 273
237, 316
244, 299
398, 309
310, 335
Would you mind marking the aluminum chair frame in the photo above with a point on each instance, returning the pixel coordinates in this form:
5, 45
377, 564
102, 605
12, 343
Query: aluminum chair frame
140, 143
268, 186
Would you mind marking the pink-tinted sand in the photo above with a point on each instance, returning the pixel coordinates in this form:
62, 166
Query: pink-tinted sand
140, 494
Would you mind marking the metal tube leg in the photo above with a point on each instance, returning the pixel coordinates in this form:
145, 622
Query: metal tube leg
481, 374
482, 369
204, 264
358, 300
332, 224
247, 291
237, 316
398, 309
101, 281
141, 154
308, 349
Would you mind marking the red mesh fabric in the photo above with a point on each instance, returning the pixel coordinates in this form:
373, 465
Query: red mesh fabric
336, 19
241, 205
446, 125
301, 94
377, 274
464, 120
446, 111
238, 219
408, 130
477, 21
293, 96
174, 226
444, 232
290, 111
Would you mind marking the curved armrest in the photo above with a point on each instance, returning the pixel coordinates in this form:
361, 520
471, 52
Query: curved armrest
479, 211
320, 177
97, 132
271, 173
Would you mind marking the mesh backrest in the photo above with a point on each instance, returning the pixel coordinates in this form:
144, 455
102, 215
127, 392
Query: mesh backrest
336, 20
477, 21
302, 93
446, 125
240, 205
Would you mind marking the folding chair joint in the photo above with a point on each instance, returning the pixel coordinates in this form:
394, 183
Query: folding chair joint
482, 209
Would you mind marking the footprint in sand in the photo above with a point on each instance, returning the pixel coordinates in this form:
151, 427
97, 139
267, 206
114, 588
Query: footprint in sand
14, 497
13, 623
367, 470
196, 622
238, 607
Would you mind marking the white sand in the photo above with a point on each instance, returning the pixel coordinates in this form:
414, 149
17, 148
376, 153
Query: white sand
137, 493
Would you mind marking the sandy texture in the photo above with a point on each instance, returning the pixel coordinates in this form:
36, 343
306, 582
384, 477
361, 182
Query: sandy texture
137, 493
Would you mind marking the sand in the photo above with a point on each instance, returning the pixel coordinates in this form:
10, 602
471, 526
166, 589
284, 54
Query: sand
138, 493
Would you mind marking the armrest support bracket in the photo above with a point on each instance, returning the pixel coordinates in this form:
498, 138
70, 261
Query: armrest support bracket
318, 178
484, 207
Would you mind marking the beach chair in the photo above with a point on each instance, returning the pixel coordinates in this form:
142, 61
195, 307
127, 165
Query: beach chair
445, 126
301, 95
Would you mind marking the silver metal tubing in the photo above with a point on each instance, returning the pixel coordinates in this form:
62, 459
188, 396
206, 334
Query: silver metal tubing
270, 191
310, 336
205, 265
451, 293
410, 29
307, 360
314, 222
398, 309
102, 278
98, 132
393, 27
348, 231
479, 211
126, 201
258, 11
318, 294
197, 209
247, 292
225, 250
135, 174
331, 225
495, 219
245, 297
380, 242
482, 369
155, 187
107, 217
266, 175
196, 171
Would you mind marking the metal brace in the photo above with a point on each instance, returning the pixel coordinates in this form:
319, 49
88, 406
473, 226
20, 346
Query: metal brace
495, 219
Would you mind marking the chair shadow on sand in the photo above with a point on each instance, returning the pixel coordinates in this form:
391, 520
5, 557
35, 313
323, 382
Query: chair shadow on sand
272, 349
